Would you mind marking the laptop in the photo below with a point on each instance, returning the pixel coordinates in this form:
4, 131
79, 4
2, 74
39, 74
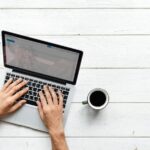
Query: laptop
41, 63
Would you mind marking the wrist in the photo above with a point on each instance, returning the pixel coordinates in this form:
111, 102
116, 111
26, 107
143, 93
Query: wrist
57, 134
1, 114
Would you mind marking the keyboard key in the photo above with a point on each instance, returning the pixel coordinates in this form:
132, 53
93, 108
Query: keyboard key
30, 92
37, 85
34, 89
65, 92
34, 93
38, 90
67, 89
34, 98
29, 83
62, 88
26, 96
65, 97
31, 102
33, 84
31, 97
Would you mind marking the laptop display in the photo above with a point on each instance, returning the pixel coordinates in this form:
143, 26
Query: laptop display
42, 58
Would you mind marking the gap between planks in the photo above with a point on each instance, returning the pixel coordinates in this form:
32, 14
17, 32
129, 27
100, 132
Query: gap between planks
90, 8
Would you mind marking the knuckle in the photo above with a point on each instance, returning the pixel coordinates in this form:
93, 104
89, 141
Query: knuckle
23, 83
19, 94
52, 109
46, 110
15, 88
9, 102
48, 96
19, 104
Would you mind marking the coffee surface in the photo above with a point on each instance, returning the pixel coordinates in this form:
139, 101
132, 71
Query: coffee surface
97, 98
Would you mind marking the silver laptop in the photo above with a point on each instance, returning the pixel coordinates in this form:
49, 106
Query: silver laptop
41, 63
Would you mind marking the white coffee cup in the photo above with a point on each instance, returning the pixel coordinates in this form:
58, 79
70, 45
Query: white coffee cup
97, 99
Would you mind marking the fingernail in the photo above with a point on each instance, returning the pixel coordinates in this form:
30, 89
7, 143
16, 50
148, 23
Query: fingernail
40, 92
27, 88
23, 102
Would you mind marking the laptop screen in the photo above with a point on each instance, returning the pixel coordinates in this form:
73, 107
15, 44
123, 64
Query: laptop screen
43, 58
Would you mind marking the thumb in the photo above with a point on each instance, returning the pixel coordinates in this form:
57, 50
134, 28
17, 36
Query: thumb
17, 105
40, 109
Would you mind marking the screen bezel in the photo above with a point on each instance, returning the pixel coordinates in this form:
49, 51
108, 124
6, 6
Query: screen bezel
39, 74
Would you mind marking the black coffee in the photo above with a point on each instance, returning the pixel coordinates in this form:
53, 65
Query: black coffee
97, 98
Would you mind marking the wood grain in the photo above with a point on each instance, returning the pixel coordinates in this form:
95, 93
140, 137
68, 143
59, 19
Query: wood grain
117, 120
75, 4
76, 143
114, 35
75, 22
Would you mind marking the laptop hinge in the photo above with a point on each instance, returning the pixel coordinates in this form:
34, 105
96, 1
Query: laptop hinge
40, 76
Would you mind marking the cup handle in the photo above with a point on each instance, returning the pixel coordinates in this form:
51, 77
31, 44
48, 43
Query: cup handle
85, 102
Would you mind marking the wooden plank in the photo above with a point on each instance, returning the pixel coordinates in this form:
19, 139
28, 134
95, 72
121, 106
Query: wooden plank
107, 51
76, 143
123, 85
117, 120
74, 21
74, 4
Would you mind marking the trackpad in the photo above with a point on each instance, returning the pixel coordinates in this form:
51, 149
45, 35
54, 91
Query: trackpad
27, 116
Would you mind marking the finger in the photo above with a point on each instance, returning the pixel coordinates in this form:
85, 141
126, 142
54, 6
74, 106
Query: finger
13, 84
40, 109
60, 99
7, 84
48, 95
19, 94
17, 105
54, 96
17, 87
43, 99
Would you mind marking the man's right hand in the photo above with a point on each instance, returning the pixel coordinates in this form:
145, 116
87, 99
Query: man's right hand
51, 110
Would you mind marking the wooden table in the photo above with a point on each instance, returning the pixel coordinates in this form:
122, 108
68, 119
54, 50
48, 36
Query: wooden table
115, 38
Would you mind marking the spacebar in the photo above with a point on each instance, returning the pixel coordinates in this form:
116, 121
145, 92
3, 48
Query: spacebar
31, 102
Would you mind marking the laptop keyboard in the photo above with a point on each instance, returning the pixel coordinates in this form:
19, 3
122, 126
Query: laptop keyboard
35, 86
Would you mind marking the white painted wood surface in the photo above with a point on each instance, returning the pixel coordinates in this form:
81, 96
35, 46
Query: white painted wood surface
76, 21
75, 4
114, 35
77, 143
